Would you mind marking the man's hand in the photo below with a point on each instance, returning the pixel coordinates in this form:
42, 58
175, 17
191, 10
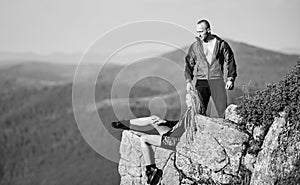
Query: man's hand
229, 85
189, 86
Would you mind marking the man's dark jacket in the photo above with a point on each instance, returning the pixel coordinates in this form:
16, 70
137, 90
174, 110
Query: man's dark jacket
197, 65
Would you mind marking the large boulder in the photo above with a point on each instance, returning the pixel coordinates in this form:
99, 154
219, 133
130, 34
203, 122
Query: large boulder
230, 114
213, 157
271, 168
216, 153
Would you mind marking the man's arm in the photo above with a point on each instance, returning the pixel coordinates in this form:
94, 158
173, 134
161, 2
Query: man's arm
189, 68
231, 65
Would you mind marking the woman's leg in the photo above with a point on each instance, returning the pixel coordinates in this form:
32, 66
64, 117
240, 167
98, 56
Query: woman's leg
152, 172
148, 123
146, 146
142, 124
139, 124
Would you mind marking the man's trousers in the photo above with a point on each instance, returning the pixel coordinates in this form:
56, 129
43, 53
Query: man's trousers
215, 89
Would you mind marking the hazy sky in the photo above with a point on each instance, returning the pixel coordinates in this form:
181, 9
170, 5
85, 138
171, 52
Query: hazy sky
46, 26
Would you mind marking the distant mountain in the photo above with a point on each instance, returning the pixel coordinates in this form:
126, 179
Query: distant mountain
39, 74
260, 66
41, 143
291, 50
39, 71
9, 58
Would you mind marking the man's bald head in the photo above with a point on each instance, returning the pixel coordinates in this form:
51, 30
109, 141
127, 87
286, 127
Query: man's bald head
204, 21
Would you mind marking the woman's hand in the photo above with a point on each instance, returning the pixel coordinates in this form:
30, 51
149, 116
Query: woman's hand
157, 120
189, 86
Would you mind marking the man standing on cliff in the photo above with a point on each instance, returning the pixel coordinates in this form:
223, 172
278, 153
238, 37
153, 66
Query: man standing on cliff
205, 62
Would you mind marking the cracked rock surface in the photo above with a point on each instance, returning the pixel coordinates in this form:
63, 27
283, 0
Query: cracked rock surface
264, 173
214, 157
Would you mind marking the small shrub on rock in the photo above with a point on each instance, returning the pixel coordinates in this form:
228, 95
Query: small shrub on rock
261, 109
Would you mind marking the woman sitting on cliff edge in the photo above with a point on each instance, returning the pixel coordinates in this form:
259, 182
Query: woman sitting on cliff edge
169, 132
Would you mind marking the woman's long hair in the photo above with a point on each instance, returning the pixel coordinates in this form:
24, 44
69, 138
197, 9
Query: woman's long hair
197, 107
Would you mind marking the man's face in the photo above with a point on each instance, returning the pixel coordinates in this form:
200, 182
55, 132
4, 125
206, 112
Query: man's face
202, 31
